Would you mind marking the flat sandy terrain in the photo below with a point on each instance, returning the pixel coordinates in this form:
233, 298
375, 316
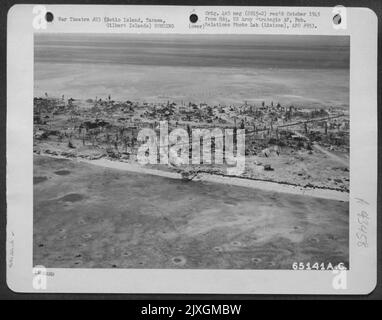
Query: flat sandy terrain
87, 216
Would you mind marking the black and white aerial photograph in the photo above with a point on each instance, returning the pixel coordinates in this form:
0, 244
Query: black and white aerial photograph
171, 151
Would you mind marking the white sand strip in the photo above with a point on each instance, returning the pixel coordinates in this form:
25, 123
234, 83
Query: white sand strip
247, 183
131, 167
277, 187
255, 184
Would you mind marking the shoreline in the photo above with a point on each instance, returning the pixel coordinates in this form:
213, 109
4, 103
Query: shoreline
214, 178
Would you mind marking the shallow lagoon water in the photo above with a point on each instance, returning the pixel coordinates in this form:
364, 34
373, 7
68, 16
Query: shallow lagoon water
308, 71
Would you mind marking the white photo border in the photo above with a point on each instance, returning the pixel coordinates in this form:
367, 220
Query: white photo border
362, 276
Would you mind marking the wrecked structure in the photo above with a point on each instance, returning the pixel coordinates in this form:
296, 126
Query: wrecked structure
106, 128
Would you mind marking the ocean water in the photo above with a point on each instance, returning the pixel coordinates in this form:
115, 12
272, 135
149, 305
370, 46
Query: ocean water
226, 69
